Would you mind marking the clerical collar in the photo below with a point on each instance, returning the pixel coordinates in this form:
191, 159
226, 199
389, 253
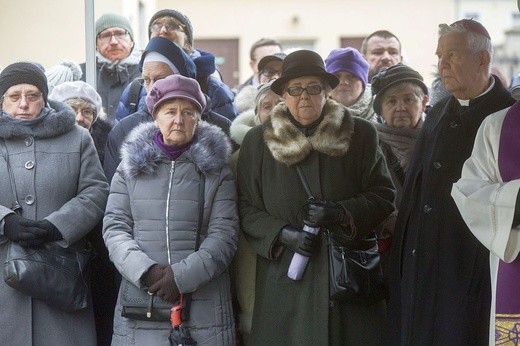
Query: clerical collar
466, 102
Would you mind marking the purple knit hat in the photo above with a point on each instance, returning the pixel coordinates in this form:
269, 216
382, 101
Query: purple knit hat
348, 60
172, 87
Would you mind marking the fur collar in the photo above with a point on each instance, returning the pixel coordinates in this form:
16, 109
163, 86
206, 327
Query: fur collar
140, 155
58, 119
289, 145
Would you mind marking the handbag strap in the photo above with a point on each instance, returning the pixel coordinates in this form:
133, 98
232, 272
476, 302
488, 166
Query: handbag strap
305, 184
16, 207
185, 313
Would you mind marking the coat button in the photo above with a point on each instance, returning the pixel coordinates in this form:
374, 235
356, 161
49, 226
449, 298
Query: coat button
414, 252
427, 208
454, 124
28, 141
29, 199
29, 165
437, 165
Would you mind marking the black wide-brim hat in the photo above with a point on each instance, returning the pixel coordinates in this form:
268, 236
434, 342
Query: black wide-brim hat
302, 63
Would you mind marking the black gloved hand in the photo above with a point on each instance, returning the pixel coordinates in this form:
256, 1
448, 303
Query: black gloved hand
323, 213
153, 274
23, 234
304, 243
166, 288
51, 232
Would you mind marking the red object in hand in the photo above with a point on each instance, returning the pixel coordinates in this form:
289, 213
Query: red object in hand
175, 316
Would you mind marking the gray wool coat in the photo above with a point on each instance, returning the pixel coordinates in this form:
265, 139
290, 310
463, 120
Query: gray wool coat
150, 194
57, 176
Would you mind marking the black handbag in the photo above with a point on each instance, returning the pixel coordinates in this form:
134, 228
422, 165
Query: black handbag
139, 304
355, 273
49, 272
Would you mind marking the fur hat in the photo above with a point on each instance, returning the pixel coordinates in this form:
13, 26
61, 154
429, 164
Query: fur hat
175, 86
173, 53
391, 76
348, 60
114, 20
188, 28
65, 71
77, 89
24, 73
303, 63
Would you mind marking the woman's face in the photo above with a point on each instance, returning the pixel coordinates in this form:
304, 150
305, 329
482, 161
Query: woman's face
267, 103
23, 101
306, 108
348, 90
177, 120
402, 107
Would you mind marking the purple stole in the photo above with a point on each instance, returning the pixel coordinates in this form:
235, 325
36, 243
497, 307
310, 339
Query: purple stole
507, 321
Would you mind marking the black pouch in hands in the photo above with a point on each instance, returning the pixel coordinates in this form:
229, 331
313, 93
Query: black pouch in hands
138, 304
355, 274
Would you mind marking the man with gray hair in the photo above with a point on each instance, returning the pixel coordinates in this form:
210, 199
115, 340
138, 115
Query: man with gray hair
440, 291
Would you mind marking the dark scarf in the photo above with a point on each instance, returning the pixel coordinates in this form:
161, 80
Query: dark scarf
172, 151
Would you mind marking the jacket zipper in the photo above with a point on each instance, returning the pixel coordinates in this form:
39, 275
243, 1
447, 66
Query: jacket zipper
172, 170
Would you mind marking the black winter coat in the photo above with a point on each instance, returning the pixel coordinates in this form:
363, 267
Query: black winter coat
440, 281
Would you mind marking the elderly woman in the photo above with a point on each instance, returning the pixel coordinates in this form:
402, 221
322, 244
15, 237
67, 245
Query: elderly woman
52, 188
152, 217
400, 101
340, 158
353, 90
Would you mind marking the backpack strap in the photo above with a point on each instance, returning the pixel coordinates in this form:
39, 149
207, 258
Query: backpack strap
133, 95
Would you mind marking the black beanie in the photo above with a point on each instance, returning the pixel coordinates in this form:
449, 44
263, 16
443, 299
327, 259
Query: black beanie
393, 75
23, 73
188, 29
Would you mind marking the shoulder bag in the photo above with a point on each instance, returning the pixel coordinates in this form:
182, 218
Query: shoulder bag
355, 274
139, 304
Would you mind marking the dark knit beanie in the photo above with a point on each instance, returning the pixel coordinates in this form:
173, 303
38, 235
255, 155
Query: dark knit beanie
23, 73
114, 20
188, 29
391, 76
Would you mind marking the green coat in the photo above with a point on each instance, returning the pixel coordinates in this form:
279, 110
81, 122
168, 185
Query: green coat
343, 163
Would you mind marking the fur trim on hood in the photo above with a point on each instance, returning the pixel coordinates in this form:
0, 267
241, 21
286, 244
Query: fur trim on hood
56, 120
289, 145
241, 125
140, 155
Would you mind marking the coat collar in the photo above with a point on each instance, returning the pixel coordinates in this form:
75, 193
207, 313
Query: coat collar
140, 154
58, 119
289, 145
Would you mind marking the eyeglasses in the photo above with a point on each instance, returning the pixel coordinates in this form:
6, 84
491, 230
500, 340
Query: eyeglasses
314, 89
270, 73
107, 36
169, 27
29, 97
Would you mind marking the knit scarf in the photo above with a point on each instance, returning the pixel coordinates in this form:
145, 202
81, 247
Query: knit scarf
507, 321
172, 151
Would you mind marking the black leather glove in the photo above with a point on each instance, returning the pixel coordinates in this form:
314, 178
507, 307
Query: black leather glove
51, 232
304, 243
25, 235
166, 288
323, 214
153, 274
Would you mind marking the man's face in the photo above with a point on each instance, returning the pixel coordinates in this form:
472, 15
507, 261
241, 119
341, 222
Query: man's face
461, 71
259, 53
114, 43
271, 71
170, 28
382, 53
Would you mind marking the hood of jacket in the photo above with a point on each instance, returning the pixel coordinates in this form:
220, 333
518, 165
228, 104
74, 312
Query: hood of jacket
57, 119
140, 155
288, 144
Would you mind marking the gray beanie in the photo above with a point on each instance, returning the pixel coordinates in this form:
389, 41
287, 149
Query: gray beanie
113, 20
77, 90
65, 71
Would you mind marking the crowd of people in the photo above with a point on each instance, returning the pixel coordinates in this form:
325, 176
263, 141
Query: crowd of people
198, 196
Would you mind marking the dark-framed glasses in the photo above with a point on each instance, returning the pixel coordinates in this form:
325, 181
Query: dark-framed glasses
270, 72
107, 36
29, 97
168, 27
314, 89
